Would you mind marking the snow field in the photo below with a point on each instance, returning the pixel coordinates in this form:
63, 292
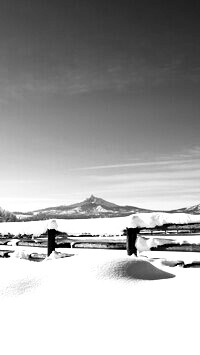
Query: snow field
98, 303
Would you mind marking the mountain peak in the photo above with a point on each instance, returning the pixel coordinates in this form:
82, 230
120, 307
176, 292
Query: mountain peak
96, 201
92, 199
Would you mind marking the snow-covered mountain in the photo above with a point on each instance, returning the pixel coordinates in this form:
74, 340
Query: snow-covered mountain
193, 209
89, 208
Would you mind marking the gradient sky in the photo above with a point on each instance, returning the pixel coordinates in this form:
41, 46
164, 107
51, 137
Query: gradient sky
99, 97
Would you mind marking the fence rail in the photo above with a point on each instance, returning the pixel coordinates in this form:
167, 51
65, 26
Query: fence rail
53, 239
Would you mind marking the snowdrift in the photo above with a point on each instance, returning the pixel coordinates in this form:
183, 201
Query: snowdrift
101, 303
151, 220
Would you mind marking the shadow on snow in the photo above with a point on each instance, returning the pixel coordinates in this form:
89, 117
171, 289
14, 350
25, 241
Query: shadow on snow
135, 270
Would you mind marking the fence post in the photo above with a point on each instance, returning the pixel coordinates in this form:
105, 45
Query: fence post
51, 244
130, 241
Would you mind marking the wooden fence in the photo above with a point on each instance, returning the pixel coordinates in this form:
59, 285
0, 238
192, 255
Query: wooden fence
171, 230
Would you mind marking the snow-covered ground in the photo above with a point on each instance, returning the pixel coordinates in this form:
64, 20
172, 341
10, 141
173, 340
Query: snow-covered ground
100, 226
98, 302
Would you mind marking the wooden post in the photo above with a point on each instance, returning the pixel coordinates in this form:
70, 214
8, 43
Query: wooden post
51, 241
52, 227
130, 241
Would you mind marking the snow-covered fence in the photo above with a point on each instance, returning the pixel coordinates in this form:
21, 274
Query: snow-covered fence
167, 225
133, 224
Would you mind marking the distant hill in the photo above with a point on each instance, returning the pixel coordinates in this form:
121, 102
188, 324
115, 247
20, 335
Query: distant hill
90, 208
192, 210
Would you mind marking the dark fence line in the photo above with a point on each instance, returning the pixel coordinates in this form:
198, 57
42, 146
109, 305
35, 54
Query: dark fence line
132, 234
129, 245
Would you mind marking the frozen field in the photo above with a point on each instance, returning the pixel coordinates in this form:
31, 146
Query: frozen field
98, 302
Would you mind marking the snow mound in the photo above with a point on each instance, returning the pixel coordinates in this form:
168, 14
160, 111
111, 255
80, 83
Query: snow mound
54, 255
151, 220
52, 224
132, 269
21, 254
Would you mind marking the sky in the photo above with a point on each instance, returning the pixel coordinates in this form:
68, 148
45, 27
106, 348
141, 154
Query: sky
99, 97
